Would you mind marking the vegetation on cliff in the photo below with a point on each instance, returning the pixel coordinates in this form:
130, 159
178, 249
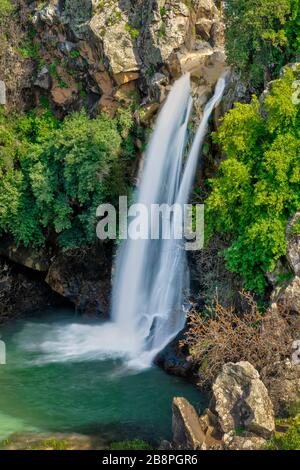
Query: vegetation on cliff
257, 187
261, 37
54, 174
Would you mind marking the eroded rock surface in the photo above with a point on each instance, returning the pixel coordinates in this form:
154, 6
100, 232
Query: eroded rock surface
241, 400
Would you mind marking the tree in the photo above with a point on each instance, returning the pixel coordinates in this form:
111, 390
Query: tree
261, 36
257, 188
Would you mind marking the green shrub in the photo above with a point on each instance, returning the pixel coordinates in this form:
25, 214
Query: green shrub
289, 440
257, 188
135, 444
54, 175
261, 36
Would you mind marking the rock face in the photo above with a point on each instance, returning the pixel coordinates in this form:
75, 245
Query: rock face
288, 295
293, 244
110, 44
83, 277
21, 291
241, 400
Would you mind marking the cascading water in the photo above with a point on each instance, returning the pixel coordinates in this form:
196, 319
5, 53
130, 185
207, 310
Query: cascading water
151, 274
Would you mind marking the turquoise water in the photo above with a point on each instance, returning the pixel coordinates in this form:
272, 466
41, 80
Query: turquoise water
49, 385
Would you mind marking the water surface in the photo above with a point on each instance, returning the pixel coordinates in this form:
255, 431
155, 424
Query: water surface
61, 377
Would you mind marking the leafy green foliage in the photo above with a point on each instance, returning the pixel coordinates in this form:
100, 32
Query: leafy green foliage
6, 8
261, 36
257, 188
54, 175
135, 444
289, 440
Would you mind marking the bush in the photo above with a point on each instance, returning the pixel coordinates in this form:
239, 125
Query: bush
290, 440
220, 335
54, 175
261, 36
135, 444
257, 188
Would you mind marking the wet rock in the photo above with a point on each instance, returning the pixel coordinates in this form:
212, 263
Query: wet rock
174, 360
241, 400
83, 277
23, 291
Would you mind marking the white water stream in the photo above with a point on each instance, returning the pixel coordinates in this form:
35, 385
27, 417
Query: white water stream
151, 275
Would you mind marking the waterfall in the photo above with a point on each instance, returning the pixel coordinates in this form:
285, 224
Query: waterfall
152, 275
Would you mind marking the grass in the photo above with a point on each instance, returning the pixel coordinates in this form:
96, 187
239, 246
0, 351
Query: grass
289, 440
135, 444
53, 444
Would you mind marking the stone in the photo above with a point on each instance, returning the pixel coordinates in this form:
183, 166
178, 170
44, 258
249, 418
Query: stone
296, 353
157, 86
43, 79
241, 400
35, 259
77, 13
217, 34
104, 82
83, 277
2, 93
187, 432
108, 104
62, 96
126, 77
233, 442
288, 295
116, 39
205, 9
293, 245
49, 14
203, 28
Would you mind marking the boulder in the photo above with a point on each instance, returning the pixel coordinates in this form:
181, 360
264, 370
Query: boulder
111, 27
83, 277
187, 432
191, 432
241, 400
